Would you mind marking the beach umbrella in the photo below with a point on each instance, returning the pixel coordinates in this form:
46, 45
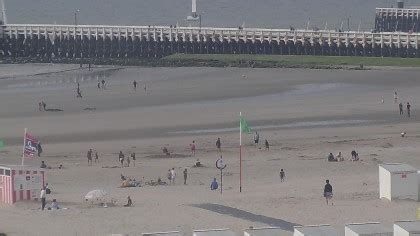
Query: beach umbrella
95, 195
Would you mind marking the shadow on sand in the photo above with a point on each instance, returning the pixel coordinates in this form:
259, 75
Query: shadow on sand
237, 213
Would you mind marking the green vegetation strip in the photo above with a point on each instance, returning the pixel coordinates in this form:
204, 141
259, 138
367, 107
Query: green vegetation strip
297, 60
239, 60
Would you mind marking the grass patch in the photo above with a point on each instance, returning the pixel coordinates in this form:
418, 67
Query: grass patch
286, 61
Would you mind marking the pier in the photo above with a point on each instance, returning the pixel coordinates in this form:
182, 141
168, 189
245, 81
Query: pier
100, 41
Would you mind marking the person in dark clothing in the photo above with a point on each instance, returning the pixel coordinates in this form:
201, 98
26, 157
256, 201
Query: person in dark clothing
129, 202
135, 85
408, 109
96, 156
267, 145
103, 84
133, 156
185, 176
331, 157
282, 175
219, 145
39, 149
89, 157
43, 165
328, 192
214, 185
401, 109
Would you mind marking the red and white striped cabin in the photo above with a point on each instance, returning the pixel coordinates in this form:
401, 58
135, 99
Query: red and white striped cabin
20, 183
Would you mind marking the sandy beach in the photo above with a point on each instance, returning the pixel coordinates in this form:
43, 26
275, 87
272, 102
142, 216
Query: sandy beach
304, 114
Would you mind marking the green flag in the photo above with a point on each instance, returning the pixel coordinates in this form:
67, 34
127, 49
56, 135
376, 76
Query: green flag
1, 144
244, 126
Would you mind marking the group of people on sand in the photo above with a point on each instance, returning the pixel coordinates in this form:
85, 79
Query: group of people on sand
43, 196
339, 157
42, 106
92, 154
126, 160
257, 141
401, 106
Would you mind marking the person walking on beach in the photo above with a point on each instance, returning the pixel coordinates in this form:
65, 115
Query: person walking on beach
256, 138
133, 156
395, 97
328, 192
192, 146
173, 175
39, 148
99, 84
44, 105
282, 175
89, 157
267, 145
43, 198
121, 158
219, 145
40, 106
103, 84
408, 109
96, 156
135, 85
128, 161
185, 176
401, 109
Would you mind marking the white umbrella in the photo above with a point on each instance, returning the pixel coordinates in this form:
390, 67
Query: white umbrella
95, 195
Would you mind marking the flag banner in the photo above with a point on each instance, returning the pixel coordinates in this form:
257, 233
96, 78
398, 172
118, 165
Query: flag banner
244, 126
31, 144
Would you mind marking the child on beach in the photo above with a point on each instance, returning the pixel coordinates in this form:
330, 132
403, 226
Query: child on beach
282, 175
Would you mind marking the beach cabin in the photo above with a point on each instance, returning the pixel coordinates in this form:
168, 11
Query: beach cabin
19, 183
407, 228
172, 233
398, 181
267, 231
214, 232
315, 230
368, 229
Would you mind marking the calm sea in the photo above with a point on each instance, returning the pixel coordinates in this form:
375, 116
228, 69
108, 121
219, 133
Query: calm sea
232, 13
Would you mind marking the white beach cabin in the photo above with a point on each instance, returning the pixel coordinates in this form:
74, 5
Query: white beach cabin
267, 231
407, 228
368, 229
171, 233
315, 230
398, 181
214, 232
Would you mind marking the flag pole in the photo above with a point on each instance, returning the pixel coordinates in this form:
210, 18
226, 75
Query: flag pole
240, 152
23, 149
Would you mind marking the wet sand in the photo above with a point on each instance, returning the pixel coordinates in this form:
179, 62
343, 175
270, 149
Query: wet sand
305, 114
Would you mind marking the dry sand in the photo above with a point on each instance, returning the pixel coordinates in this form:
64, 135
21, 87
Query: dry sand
305, 114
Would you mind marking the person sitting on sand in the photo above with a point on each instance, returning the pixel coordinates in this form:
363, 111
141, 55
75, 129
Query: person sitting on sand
123, 177
43, 165
214, 185
129, 202
340, 157
354, 156
331, 157
54, 205
165, 151
198, 163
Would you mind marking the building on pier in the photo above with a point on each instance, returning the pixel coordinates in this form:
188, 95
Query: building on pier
397, 19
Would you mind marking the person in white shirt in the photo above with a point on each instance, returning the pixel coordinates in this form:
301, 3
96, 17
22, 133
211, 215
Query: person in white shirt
43, 196
173, 175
